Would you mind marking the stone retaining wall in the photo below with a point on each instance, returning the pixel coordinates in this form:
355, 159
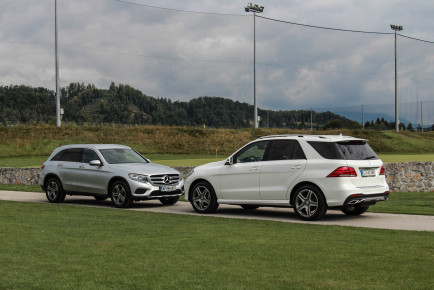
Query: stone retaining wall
402, 176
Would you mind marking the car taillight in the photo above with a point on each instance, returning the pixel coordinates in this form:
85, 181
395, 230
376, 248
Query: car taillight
43, 166
343, 171
382, 171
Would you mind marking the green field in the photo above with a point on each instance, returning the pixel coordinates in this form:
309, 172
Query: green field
53, 246
181, 160
40, 140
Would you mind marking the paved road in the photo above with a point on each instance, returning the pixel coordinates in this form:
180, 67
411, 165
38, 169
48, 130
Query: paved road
367, 220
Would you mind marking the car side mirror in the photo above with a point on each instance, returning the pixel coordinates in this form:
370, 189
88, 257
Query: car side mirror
229, 161
95, 163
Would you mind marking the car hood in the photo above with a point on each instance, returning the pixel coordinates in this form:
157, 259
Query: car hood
144, 168
217, 164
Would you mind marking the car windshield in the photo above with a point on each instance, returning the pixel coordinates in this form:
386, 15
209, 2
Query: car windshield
117, 156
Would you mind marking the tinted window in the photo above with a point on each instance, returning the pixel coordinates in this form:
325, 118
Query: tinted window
89, 155
350, 150
285, 150
357, 150
58, 156
327, 150
252, 153
72, 155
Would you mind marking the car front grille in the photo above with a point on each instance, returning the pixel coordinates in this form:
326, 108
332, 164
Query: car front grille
164, 179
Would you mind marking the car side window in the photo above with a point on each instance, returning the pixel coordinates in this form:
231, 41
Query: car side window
252, 153
89, 155
58, 156
285, 150
72, 155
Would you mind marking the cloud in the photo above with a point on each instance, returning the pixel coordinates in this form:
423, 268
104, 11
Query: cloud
184, 54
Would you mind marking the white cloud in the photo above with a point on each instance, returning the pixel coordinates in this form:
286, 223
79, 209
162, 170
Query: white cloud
183, 55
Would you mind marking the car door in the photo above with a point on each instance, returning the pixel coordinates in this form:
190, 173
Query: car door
68, 168
92, 179
284, 162
240, 180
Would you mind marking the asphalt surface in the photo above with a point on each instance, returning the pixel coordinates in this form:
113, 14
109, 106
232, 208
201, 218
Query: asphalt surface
367, 220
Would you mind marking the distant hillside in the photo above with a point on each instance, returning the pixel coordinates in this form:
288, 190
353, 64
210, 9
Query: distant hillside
123, 104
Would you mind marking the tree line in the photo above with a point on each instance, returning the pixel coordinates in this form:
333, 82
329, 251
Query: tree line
123, 104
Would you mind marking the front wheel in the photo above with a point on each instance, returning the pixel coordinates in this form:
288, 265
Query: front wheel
54, 191
309, 203
204, 199
120, 194
355, 210
169, 200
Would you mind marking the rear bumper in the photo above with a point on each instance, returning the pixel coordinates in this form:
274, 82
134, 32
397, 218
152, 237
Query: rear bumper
366, 199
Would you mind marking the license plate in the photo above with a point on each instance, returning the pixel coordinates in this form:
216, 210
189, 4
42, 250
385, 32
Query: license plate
167, 188
367, 172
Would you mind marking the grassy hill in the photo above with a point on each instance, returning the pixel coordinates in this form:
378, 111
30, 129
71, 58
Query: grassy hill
40, 140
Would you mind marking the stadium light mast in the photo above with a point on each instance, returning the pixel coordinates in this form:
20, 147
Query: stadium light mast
57, 66
255, 9
396, 28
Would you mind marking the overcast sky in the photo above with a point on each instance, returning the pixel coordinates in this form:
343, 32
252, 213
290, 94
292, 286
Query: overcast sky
186, 49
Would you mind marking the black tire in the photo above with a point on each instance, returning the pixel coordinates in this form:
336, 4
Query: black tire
54, 191
249, 206
203, 198
169, 200
355, 210
120, 194
309, 203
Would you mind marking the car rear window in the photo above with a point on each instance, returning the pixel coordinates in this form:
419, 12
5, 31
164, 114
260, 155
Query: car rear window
348, 150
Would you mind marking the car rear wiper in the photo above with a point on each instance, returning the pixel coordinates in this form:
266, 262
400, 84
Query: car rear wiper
370, 157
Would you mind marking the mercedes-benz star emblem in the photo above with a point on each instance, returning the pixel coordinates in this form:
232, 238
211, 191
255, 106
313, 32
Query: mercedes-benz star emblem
166, 179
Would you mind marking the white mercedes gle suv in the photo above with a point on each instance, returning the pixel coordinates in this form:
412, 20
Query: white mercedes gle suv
306, 172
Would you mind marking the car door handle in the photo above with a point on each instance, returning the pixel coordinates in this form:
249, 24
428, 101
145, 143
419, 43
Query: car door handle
81, 166
59, 165
254, 168
296, 167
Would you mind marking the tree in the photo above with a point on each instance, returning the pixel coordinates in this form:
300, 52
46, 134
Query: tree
410, 127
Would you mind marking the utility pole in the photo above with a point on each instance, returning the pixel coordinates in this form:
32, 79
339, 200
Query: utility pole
255, 9
57, 67
396, 28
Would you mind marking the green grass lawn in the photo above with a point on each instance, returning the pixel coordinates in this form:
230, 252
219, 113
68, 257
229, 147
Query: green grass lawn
49, 246
181, 160
406, 157
173, 160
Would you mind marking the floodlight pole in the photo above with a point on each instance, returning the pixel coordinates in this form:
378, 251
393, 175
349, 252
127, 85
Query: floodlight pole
57, 66
255, 9
396, 28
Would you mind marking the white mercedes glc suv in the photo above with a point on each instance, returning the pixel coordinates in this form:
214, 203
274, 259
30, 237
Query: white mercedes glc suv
306, 172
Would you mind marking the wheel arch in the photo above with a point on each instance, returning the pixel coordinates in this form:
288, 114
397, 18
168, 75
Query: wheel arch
192, 185
48, 177
303, 183
113, 180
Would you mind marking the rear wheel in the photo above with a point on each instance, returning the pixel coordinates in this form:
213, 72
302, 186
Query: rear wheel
54, 191
355, 210
120, 194
169, 200
309, 203
204, 199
